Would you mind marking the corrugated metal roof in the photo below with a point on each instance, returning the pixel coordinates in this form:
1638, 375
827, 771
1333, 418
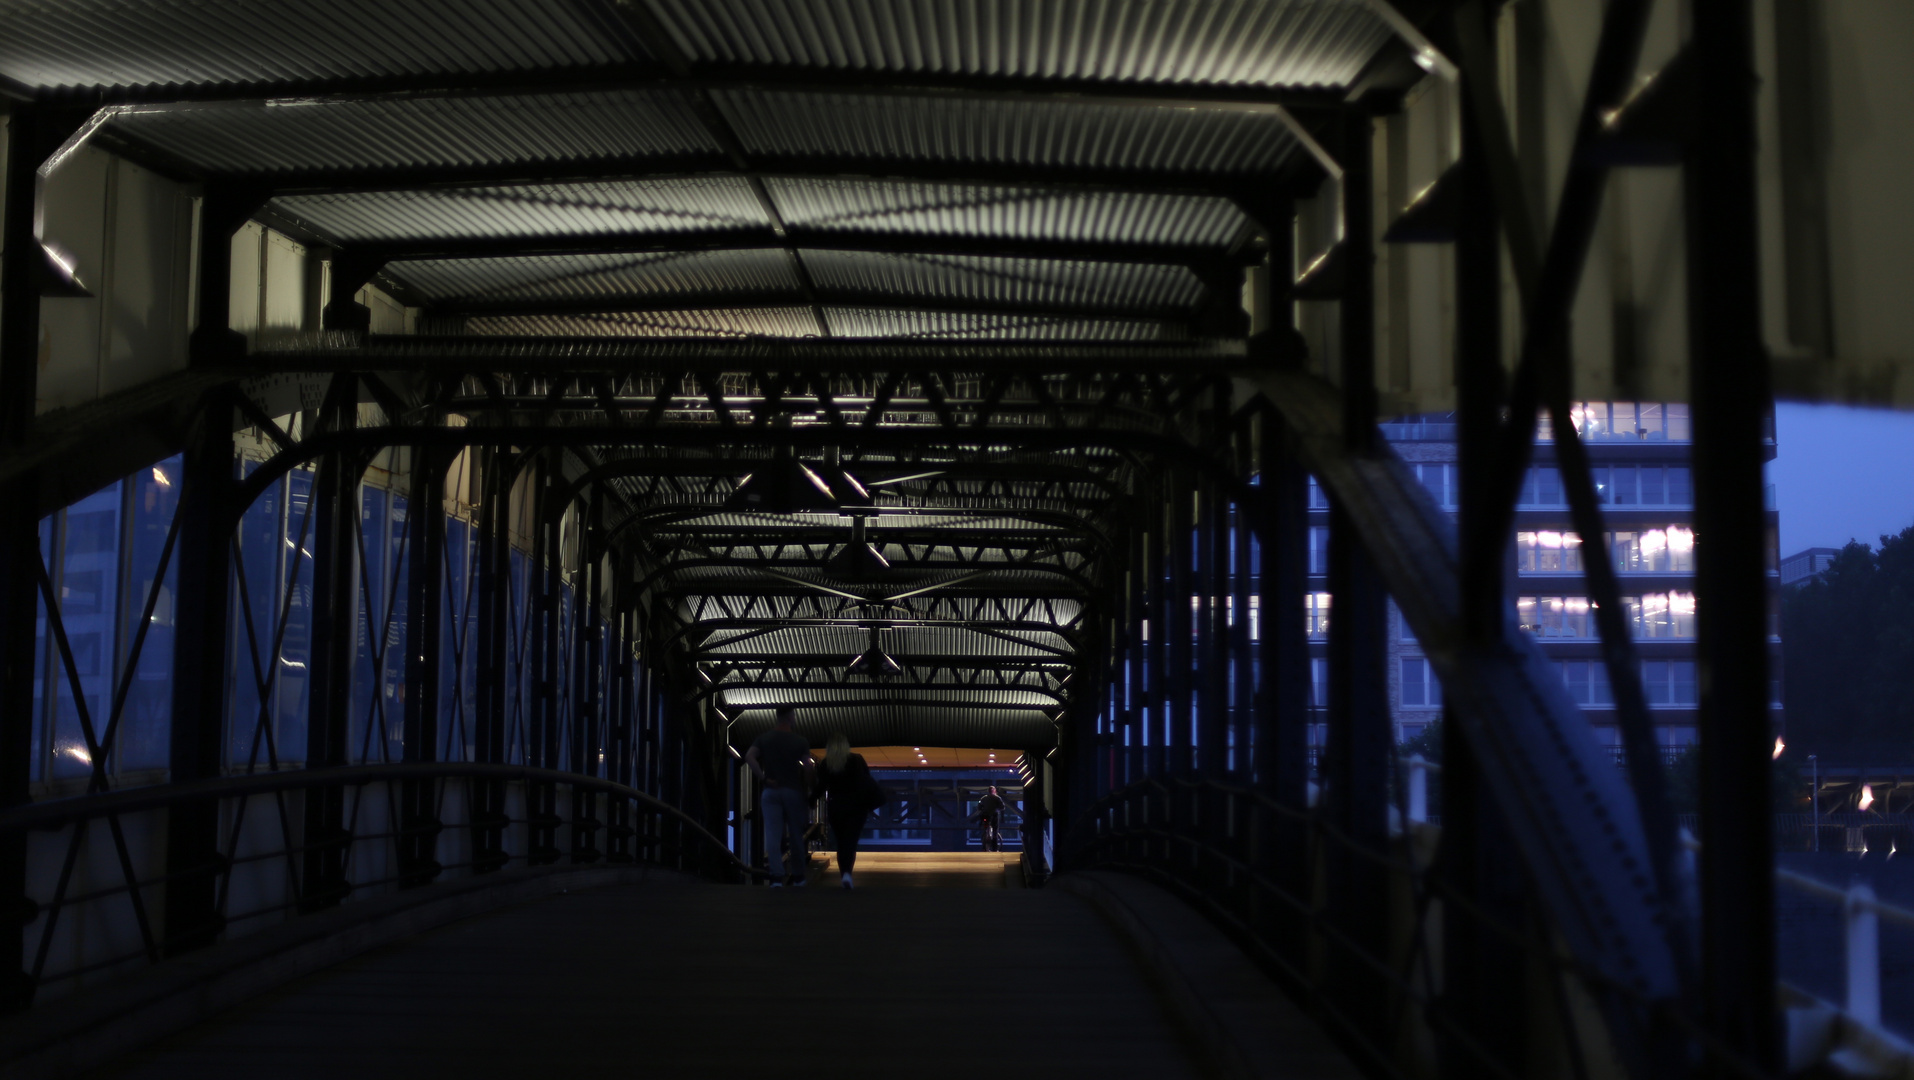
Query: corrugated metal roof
1253, 42
743, 355
591, 276
864, 322
1082, 134
677, 204
1016, 281
707, 322
88, 43
550, 129
832, 204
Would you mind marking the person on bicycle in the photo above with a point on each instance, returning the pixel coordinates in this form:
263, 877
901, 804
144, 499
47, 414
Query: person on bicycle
990, 816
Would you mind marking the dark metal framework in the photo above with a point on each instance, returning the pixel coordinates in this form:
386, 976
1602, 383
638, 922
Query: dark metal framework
1087, 525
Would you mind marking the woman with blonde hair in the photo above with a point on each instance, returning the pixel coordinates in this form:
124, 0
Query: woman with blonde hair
846, 781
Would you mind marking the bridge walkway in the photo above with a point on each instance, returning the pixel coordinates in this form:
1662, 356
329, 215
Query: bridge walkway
679, 978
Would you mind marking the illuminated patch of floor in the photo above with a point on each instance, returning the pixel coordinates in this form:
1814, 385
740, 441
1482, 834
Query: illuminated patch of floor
928, 870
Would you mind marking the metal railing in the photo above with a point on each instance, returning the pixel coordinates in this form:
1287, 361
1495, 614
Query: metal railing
387, 847
1259, 869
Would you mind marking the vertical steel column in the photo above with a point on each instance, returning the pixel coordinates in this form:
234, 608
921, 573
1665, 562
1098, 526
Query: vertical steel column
335, 493
1477, 858
619, 834
1732, 404
548, 572
1284, 712
1242, 586
1179, 628
223, 208
491, 565
585, 701
1213, 721
20, 270
1356, 762
425, 596
1155, 655
200, 656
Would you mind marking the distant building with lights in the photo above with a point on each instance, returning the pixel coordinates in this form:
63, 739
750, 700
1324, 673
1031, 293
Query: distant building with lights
1804, 565
1639, 454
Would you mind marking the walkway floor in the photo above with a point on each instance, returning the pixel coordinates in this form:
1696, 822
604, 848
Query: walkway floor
683, 979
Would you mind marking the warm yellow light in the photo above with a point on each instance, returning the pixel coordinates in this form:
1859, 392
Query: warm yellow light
1867, 797
1779, 746
160, 478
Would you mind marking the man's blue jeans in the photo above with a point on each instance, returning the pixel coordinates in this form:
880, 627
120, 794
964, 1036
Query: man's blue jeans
783, 813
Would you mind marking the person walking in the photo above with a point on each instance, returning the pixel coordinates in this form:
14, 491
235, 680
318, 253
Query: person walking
781, 759
990, 815
851, 792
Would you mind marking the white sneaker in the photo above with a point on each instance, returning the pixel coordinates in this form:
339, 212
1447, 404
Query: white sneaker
847, 881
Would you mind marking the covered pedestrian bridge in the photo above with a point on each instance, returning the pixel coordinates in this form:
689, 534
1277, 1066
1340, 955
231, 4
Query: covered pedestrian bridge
436, 437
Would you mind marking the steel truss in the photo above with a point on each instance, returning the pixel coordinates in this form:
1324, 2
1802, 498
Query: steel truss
1097, 522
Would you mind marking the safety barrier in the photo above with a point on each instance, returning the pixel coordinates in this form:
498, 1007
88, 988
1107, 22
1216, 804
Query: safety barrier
408, 824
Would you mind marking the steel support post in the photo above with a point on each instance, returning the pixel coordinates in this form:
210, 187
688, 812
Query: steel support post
548, 558
33, 133
491, 567
1179, 627
585, 695
1356, 757
223, 208
335, 494
425, 600
1284, 710
20, 273
1477, 862
1733, 404
1156, 726
200, 657
1243, 680
1213, 719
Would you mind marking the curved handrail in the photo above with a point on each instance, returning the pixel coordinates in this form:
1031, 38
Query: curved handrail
54, 813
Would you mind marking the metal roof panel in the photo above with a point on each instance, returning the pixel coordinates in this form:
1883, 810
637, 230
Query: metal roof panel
548, 210
1077, 134
832, 204
101, 43
594, 276
1120, 286
551, 129
1231, 42
705, 322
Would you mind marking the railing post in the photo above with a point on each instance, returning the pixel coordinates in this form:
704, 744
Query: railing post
335, 494
1863, 933
425, 581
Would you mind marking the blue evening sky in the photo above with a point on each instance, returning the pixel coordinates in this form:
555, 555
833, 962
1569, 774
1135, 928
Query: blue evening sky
1841, 473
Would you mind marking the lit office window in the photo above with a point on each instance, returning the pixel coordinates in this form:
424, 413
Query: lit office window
1653, 551
1548, 552
1316, 610
1318, 549
1318, 498
1562, 617
1661, 615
